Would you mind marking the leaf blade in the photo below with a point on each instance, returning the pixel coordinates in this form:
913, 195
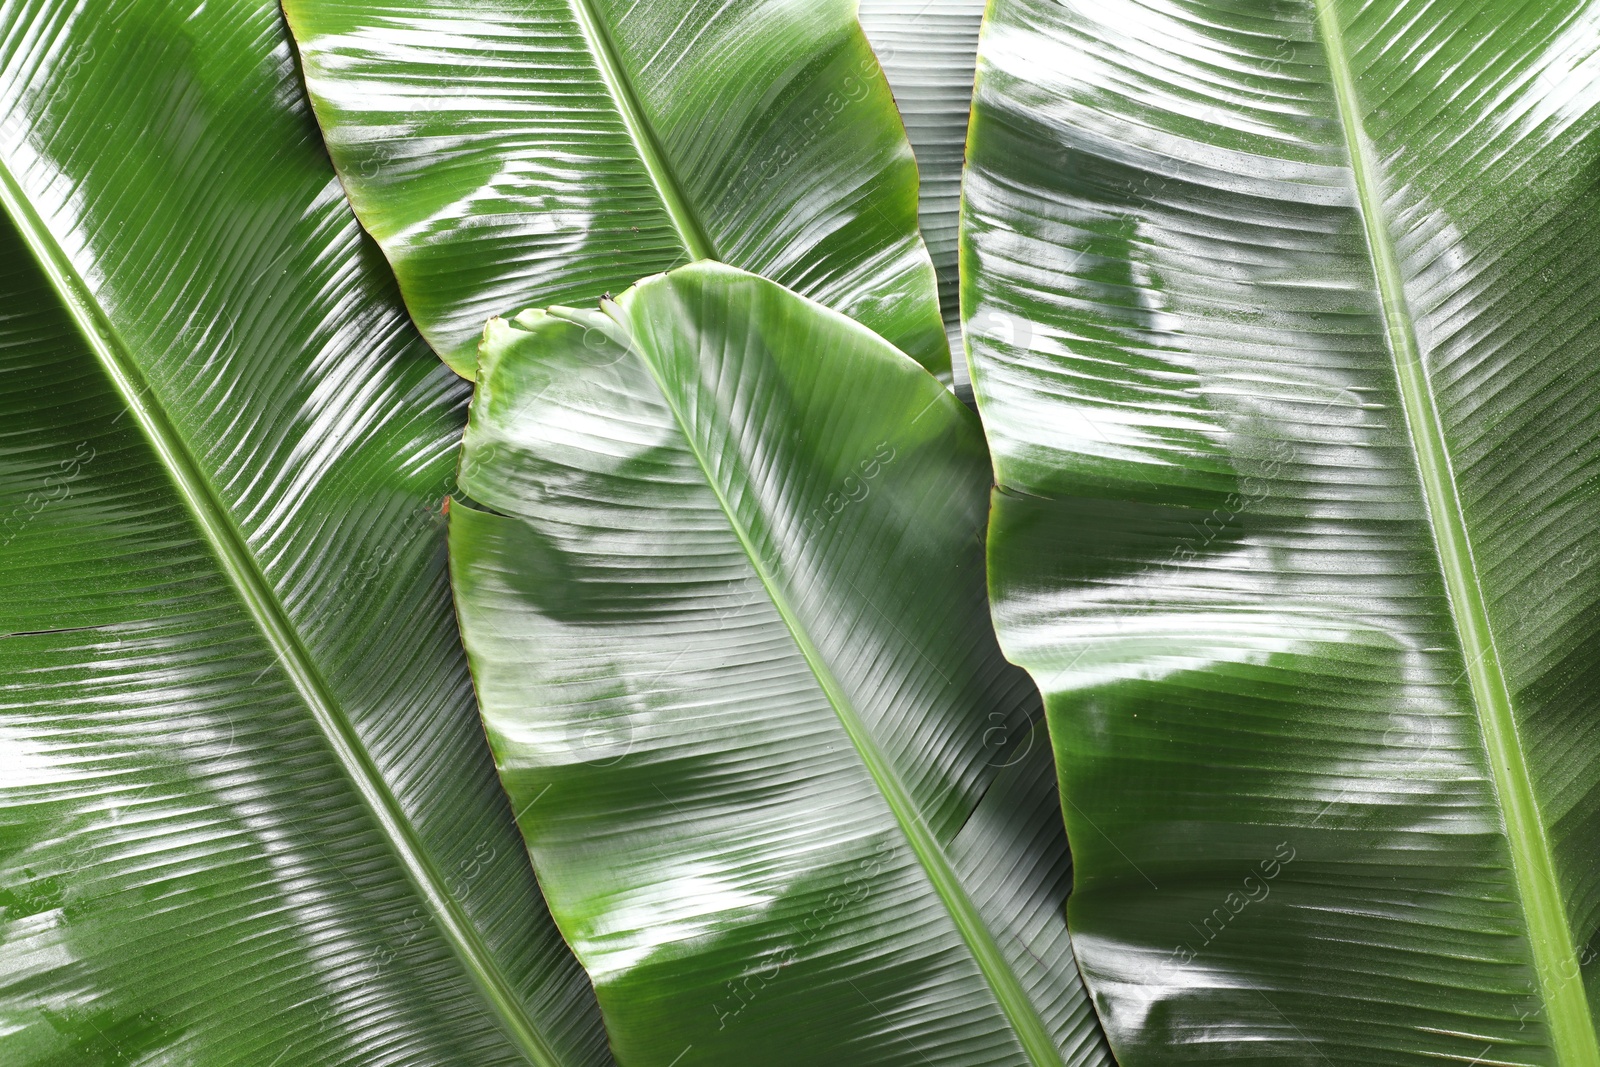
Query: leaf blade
674, 596
1555, 954
184, 902
1217, 372
508, 156
928, 52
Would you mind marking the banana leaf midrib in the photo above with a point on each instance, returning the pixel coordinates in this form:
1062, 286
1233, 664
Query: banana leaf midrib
1014, 1001
266, 611
678, 208
1550, 937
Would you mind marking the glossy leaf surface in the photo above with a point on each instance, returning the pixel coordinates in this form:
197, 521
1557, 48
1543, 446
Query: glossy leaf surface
509, 154
246, 813
928, 48
726, 623
1290, 366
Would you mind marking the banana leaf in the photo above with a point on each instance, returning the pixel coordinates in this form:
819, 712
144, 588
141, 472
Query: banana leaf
508, 153
1283, 320
720, 580
928, 49
246, 812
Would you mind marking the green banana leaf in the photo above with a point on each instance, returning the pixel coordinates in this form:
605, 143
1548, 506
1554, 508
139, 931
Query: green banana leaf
246, 812
721, 585
928, 49
516, 153
1284, 327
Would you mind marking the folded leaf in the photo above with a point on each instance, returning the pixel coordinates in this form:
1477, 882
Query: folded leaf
508, 153
1284, 334
726, 623
928, 48
246, 813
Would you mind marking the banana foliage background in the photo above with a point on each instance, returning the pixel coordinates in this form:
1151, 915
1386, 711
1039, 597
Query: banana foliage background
1284, 337
1282, 332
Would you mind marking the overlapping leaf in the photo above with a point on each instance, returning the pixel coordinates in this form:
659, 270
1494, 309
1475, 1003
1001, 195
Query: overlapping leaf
245, 812
721, 585
928, 48
1284, 331
509, 154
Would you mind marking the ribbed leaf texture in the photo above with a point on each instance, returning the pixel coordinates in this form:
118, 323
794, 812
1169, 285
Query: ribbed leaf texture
246, 813
508, 153
726, 621
1284, 326
928, 48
